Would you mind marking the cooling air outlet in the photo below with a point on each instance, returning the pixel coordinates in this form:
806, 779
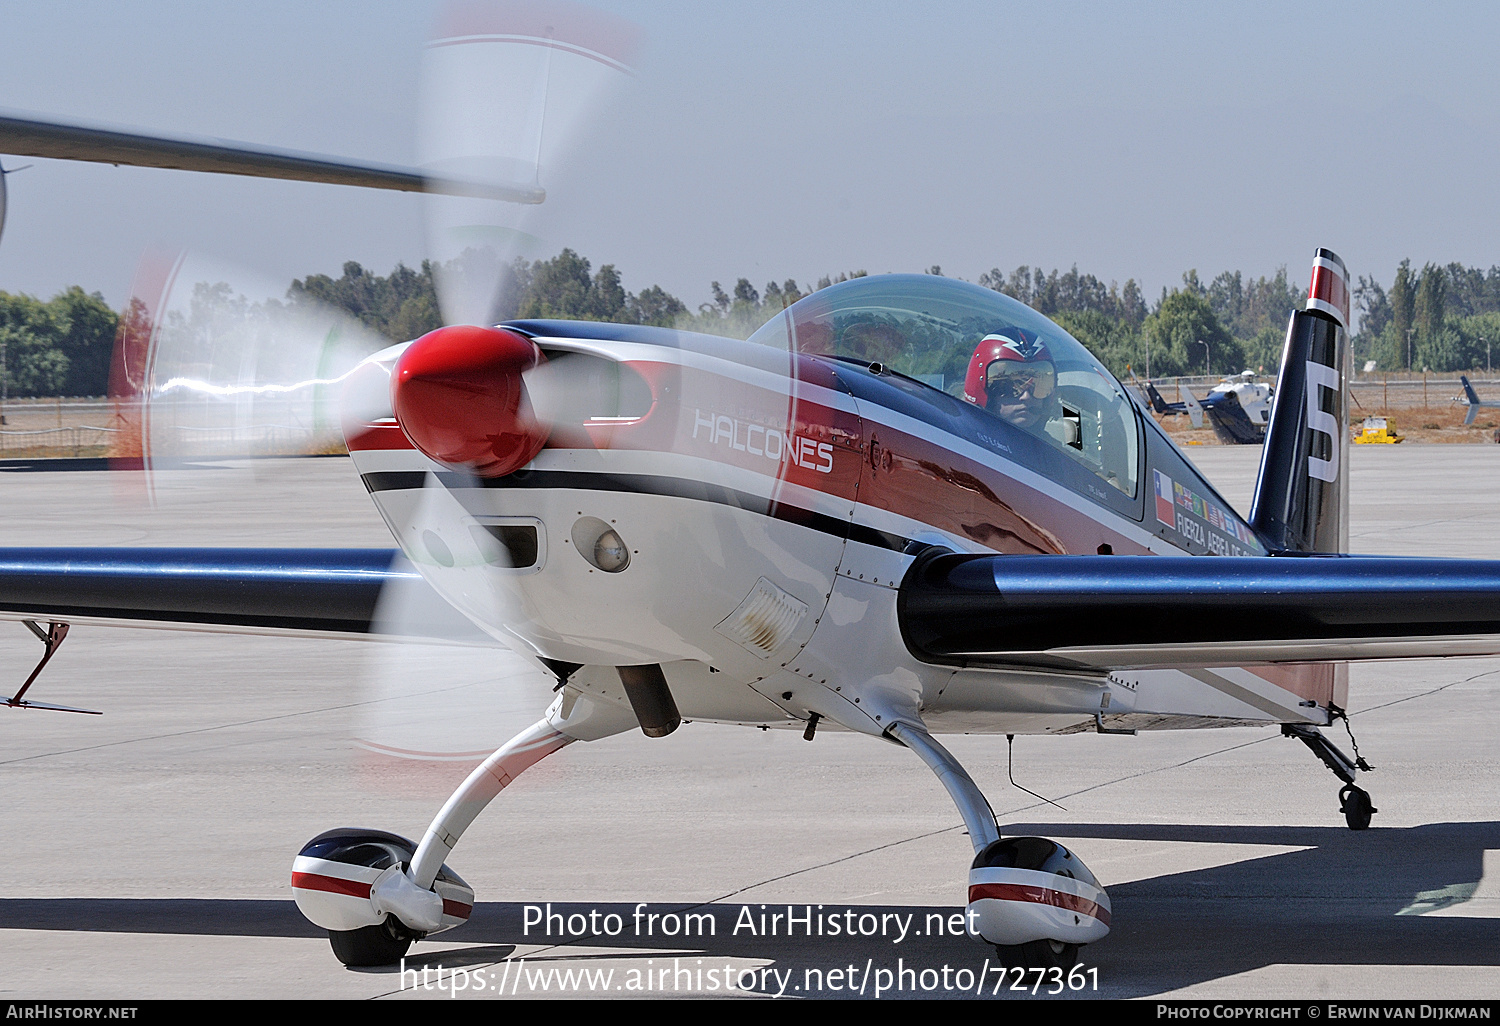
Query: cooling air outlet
765, 620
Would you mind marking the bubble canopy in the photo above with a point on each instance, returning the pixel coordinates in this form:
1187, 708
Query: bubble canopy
928, 328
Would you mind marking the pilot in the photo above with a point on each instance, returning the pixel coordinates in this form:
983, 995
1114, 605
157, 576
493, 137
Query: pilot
1012, 376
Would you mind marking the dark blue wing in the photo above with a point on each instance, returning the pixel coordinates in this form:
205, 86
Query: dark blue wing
265, 590
1117, 612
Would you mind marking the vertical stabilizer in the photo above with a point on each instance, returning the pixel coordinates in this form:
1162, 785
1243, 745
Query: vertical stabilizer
1157, 402
1474, 403
1301, 498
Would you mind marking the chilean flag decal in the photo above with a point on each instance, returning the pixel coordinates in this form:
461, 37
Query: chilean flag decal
1164, 499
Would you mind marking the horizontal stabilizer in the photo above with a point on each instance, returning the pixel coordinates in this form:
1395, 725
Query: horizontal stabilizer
1194, 407
1119, 612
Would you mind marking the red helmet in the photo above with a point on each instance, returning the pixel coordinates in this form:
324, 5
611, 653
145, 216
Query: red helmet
1010, 353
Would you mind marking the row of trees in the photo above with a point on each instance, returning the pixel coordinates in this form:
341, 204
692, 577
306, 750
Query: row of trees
1242, 320
1232, 323
1228, 324
404, 304
60, 347
1445, 318
1441, 317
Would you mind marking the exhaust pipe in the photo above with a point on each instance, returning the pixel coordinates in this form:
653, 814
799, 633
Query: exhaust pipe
646, 687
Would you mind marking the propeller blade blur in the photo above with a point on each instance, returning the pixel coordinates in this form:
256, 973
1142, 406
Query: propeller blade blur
507, 90
440, 700
212, 362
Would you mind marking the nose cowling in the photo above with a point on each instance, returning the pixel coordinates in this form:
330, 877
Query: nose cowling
458, 395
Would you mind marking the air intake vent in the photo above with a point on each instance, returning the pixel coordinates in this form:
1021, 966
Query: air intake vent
765, 620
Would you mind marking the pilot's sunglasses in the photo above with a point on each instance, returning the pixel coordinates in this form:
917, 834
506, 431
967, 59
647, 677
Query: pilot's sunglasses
1015, 381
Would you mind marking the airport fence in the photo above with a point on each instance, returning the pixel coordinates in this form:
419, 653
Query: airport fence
74, 440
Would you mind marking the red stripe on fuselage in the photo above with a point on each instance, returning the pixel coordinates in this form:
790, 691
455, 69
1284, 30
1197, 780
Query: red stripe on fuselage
331, 884
1040, 896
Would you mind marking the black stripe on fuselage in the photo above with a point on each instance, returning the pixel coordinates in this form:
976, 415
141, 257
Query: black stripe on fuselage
644, 484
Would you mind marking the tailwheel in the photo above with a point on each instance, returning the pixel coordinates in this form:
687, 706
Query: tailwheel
382, 944
1039, 954
1354, 803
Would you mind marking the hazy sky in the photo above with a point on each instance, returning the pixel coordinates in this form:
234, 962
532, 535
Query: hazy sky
796, 139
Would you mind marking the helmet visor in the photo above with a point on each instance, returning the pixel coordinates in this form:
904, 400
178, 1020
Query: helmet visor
1012, 380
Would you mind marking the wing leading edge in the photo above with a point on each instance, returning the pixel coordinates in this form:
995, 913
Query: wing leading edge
1140, 612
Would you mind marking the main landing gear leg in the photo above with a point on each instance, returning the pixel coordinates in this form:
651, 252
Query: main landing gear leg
978, 818
1029, 896
376, 892
51, 639
1354, 801
491, 777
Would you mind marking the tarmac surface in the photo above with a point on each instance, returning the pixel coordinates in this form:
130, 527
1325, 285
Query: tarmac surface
149, 849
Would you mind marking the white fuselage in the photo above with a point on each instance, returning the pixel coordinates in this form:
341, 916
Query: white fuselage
764, 563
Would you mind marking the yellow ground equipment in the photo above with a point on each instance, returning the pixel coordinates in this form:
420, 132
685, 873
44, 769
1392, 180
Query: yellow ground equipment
1378, 431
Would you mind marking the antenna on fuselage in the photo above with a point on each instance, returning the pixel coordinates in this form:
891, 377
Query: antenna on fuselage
1010, 746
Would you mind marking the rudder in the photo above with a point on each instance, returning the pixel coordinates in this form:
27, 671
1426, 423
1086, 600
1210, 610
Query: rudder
1301, 496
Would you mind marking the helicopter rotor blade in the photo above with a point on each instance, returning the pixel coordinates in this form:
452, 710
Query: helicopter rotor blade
29, 136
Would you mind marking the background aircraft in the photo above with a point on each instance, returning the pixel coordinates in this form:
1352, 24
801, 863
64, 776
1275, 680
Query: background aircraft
837, 524
1471, 399
1239, 409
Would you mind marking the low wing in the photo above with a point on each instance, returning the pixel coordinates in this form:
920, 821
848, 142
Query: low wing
317, 592
1138, 612
29, 137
